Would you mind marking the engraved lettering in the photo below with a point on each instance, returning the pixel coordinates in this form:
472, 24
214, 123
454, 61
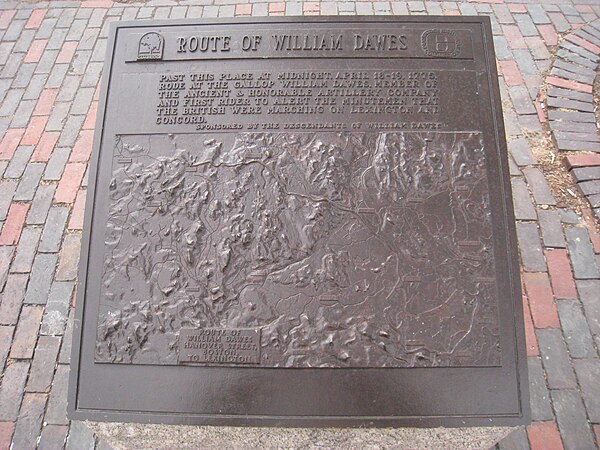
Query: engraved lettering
291, 93
287, 42
380, 42
219, 345
203, 44
251, 42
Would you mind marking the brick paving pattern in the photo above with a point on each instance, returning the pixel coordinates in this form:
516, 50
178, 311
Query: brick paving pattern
51, 57
570, 106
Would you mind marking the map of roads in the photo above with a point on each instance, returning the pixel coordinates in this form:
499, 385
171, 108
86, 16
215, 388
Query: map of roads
308, 249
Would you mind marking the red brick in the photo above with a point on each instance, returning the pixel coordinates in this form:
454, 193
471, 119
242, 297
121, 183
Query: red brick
276, 8
76, 222
516, 8
11, 231
544, 436
97, 91
569, 84
583, 43
541, 300
10, 142
243, 9
581, 160
590, 223
45, 147
35, 19
311, 7
34, 130
530, 337
69, 183
35, 51
511, 73
561, 274
452, 12
90, 118
6, 432
548, 34
514, 36
45, 103
6, 17
66, 52
540, 111
83, 146
96, 4
584, 8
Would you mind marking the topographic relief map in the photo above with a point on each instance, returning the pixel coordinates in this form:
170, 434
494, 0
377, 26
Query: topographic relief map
343, 249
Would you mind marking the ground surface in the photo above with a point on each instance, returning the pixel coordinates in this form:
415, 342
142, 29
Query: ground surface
51, 56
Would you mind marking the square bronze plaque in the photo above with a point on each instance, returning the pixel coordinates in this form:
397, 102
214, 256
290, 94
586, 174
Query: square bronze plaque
301, 222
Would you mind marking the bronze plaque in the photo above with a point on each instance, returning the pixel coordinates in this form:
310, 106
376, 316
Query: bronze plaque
300, 222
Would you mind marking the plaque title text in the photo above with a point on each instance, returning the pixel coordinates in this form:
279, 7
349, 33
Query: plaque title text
294, 42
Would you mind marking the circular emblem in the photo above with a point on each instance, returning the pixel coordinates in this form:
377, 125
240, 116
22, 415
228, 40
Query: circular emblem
440, 43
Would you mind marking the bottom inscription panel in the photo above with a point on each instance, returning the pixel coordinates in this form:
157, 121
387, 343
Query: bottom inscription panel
219, 345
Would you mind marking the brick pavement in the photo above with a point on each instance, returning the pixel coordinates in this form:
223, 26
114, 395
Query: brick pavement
51, 55
574, 70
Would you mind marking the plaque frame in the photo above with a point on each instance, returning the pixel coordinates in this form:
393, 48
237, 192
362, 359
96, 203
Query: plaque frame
318, 395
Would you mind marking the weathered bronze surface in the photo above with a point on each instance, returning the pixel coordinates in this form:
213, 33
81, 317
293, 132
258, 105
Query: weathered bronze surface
300, 222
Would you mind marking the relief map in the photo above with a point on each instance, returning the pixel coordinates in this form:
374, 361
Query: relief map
357, 249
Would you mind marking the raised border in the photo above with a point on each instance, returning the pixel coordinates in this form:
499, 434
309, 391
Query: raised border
521, 416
